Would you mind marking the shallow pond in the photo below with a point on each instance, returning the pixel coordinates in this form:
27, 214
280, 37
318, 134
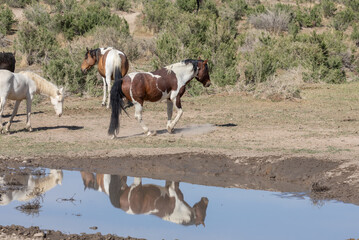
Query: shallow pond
79, 202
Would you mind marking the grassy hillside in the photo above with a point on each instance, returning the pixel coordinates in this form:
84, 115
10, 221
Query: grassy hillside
270, 48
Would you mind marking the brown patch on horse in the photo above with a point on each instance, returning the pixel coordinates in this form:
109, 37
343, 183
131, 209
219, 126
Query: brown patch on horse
102, 63
124, 65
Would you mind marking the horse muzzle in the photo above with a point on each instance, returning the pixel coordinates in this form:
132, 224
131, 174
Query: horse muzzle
207, 84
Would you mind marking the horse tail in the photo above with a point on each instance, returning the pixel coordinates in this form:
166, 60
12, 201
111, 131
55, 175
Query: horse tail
117, 104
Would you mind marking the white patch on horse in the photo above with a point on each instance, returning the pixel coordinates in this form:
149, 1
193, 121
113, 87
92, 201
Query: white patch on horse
106, 183
181, 213
184, 73
132, 76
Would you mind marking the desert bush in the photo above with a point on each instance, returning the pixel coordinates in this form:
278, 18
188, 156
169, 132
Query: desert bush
328, 7
80, 20
123, 5
343, 19
157, 13
36, 42
17, 3
308, 17
353, 4
187, 5
273, 21
38, 15
323, 57
65, 70
355, 34
6, 20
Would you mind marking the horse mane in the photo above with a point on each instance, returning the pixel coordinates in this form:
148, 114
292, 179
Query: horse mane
7, 57
93, 53
43, 86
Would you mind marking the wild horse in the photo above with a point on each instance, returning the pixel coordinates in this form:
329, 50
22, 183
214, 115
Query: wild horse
166, 202
7, 61
111, 64
168, 83
23, 85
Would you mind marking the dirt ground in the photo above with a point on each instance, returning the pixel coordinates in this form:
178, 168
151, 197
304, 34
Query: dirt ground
229, 139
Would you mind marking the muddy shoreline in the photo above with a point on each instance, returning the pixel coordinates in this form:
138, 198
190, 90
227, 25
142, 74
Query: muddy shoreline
319, 178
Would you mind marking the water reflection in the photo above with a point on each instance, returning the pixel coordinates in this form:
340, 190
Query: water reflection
25, 187
166, 202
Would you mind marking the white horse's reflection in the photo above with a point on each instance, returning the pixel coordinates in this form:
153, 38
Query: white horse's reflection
28, 186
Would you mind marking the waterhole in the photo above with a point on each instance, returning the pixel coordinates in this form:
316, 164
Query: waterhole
87, 202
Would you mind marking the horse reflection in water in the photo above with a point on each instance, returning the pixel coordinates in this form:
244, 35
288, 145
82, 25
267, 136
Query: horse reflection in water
166, 202
26, 187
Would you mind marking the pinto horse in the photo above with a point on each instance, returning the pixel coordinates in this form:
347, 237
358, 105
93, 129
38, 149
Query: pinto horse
23, 85
168, 83
111, 64
7, 61
166, 202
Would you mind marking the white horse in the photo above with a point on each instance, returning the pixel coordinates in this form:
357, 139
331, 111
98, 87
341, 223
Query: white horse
23, 85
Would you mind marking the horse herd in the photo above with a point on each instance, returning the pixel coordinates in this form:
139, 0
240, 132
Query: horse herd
165, 84
166, 202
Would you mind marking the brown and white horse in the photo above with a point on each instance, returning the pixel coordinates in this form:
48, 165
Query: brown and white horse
168, 83
111, 64
165, 202
7, 61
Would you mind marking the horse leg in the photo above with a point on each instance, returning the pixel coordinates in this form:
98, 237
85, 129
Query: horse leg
178, 106
2, 106
104, 91
138, 116
108, 81
14, 112
169, 114
28, 113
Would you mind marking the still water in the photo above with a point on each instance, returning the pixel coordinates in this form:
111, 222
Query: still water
73, 202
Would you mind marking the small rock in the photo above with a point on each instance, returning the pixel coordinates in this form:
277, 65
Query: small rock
39, 235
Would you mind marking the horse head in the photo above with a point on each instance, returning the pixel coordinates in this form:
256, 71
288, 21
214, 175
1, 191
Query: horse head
200, 210
203, 73
58, 100
89, 61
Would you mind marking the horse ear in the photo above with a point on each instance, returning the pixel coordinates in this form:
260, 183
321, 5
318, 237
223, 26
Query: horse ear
87, 49
205, 62
60, 91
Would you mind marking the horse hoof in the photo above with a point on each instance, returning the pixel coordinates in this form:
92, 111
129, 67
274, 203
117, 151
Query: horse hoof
151, 133
169, 129
103, 104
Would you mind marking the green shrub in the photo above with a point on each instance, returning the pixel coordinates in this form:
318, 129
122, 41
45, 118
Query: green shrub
6, 20
16, 3
38, 15
328, 7
353, 4
343, 19
158, 13
123, 5
36, 43
355, 34
65, 70
78, 21
308, 17
187, 5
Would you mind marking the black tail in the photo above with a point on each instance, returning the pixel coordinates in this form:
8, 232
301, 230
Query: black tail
116, 102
